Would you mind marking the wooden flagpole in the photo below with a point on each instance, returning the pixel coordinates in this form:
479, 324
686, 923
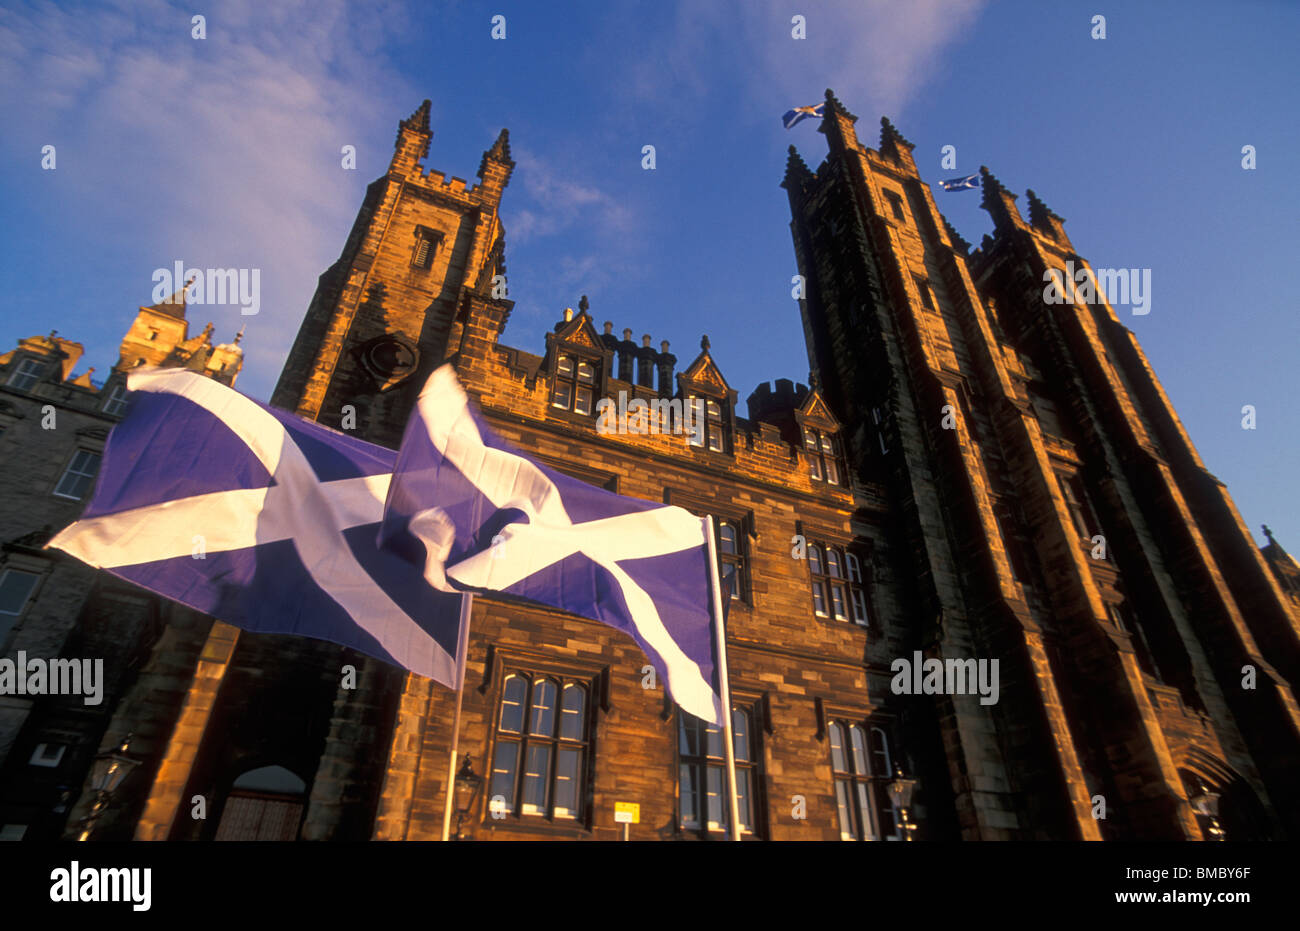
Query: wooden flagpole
720, 640
466, 606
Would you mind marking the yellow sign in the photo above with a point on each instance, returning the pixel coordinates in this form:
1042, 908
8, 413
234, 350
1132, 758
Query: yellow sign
627, 813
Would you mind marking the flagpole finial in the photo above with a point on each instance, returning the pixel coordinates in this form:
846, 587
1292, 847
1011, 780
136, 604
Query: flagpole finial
583, 305
704, 342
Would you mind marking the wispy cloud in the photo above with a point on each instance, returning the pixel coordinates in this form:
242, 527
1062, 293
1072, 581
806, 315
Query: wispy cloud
877, 53
222, 152
554, 202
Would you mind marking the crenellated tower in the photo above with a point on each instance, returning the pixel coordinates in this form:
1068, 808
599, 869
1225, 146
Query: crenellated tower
424, 255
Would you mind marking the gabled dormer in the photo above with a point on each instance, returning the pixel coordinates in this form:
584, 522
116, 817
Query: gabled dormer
819, 433
702, 387
577, 364
805, 421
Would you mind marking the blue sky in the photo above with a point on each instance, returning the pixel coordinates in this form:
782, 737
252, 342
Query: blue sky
225, 153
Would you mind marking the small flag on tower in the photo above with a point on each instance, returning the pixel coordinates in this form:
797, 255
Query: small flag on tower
961, 184
794, 117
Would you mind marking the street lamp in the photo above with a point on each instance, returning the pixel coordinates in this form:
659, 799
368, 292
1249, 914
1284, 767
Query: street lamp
468, 784
900, 792
1206, 804
106, 774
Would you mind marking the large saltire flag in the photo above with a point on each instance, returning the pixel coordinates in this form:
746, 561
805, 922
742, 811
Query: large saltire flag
261, 519
472, 512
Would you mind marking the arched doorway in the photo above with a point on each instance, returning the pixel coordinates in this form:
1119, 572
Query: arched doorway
263, 804
1241, 814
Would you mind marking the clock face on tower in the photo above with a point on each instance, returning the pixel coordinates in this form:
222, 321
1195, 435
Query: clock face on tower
389, 359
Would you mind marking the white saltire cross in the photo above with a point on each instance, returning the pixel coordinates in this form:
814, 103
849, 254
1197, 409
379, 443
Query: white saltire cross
510, 481
298, 507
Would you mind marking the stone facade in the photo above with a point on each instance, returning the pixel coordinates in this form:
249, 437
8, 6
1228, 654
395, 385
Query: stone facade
53, 426
939, 488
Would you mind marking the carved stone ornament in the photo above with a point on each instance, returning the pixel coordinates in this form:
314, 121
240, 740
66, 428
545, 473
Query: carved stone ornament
389, 359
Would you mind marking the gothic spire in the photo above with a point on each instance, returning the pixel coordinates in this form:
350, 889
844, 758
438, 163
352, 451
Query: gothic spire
889, 135
796, 171
833, 105
173, 306
1039, 212
419, 120
998, 201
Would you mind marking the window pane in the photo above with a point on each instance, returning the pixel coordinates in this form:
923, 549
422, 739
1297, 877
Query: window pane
713, 741
864, 810
568, 767
512, 704
690, 795
839, 762
809, 438
563, 395
838, 602
15, 588
814, 465
848, 824
832, 472
833, 563
29, 371
819, 598
860, 607
815, 560
717, 798
537, 773
564, 367
586, 374
715, 438
714, 409
80, 475
582, 401
881, 765
854, 569
744, 798
727, 537
859, 742
573, 712
729, 577
740, 736
885, 811
504, 765
688, 737
542, 721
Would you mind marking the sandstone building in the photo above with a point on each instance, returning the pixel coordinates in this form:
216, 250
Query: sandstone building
946, 476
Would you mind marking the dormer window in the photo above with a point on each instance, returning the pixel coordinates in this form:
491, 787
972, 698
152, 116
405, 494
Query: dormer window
575, 385
823, 452
712, 435
426, 243
116, 402
29, 372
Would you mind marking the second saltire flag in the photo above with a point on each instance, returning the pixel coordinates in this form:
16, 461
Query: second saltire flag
475, 514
